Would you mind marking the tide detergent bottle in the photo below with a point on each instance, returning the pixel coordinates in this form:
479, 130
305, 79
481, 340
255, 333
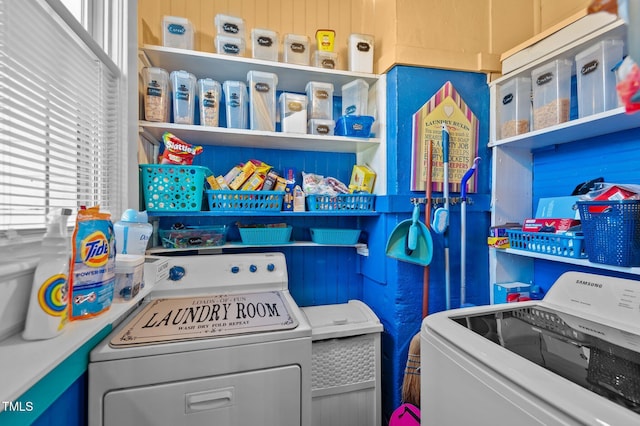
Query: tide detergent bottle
48, 304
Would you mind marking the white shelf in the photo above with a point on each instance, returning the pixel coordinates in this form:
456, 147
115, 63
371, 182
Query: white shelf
237, 245
580, 262
222, 136
592, 126
291, 78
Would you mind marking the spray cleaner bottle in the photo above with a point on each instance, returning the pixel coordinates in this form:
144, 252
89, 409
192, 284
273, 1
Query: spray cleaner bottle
48, 306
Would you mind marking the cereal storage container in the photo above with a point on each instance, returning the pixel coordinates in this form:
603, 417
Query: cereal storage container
209, 95
551, 93
264, 44
177, 32
320, 97
293, 112
355, 97
361, 53
156, 94
235, 98
595, 78
262, 100
183, 84
515, 107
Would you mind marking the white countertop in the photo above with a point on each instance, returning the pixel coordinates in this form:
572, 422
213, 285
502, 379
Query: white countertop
23, 363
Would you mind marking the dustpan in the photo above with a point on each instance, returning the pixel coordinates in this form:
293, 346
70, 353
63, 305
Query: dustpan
410, 241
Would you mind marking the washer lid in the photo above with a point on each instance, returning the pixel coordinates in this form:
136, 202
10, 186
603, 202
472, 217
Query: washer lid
205, 317
340, 320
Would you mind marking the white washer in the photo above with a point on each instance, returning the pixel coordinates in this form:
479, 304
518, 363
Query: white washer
222, 343
570, 359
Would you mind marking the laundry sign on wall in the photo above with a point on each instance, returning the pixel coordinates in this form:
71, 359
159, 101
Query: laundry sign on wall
444, 107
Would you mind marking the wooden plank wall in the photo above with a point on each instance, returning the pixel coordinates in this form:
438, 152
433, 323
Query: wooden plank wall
285, 16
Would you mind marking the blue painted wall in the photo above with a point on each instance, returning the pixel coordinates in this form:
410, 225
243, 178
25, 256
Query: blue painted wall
394, 289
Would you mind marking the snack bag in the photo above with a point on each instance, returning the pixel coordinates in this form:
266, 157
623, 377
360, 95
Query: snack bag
177, 151
93, 264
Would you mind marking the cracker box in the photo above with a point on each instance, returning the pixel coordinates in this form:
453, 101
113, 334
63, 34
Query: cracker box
504, 292
362, 179
549, 225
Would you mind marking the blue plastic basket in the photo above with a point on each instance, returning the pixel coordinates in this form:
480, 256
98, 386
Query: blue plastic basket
361, 202
611, 231
265, 236
170, 187
548, 243
235, 201
334, 236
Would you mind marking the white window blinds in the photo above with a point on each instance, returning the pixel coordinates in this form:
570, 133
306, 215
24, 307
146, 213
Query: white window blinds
60, 123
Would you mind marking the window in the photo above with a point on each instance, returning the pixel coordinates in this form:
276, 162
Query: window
61, 118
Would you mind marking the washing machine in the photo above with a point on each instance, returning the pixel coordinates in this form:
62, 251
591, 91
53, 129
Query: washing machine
572, 358
220, 342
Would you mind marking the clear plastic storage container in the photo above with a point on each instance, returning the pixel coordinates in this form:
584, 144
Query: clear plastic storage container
262, 100
264, 44
515, 107
129, 276
295, 49
322, 127
177, 32
183, 85
229, 25
320, 96
156, 94
551, 93
293, 112
209, 97
327, 60
235, 98
361, 53
595, 78
230, 45
355, 97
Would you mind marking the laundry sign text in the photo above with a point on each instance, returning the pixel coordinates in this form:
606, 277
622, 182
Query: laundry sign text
186, 318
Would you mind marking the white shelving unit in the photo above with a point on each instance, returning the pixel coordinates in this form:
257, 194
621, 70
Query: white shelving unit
291, 78
512, 177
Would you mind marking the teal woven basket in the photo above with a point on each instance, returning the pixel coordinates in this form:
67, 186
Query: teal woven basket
171, 188
334, 236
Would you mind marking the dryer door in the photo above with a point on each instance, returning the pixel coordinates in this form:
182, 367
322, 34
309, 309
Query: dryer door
269, 397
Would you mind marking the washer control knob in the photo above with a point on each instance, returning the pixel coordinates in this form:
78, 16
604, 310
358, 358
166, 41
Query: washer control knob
253, 268
235, 269
271, 267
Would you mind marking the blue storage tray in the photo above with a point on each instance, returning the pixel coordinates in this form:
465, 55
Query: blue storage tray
334, 236
548, 243
361, 201
355, 126
235, 201
265, 236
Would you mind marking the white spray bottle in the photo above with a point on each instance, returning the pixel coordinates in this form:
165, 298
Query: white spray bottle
48, 305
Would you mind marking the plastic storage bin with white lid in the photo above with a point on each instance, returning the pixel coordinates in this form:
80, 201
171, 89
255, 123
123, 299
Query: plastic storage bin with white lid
320, 97
551, 84
230, 45
361, 53
156, 94
293, 112
229, 25
595, 78
326, 60
264, 44
295, 49
321, 127
262, 100
515, 107
177, 32
355, 97
209, 97
345, 364
183, 85
235, 98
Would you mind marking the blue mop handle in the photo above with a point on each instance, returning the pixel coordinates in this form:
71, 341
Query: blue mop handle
466, 177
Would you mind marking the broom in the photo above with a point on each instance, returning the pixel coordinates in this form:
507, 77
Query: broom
411, 382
